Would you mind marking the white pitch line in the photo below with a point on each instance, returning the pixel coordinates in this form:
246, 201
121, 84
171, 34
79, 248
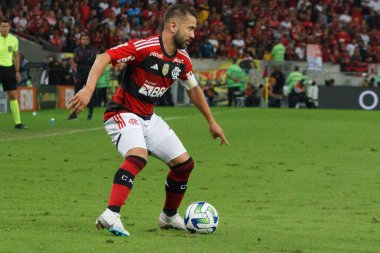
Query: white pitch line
96, 128
52, 134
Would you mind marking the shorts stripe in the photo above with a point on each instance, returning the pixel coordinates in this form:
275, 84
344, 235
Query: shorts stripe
122, 121
116, 120
119, 120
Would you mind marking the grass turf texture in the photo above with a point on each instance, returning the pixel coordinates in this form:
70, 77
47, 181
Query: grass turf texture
291, 181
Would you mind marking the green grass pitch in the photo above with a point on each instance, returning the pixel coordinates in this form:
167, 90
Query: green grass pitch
291, 181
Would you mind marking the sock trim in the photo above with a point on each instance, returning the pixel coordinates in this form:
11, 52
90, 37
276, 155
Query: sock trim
137, 160
183, 166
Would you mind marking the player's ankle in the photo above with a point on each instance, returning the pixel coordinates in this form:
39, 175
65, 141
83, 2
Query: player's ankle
115, 209
169, 213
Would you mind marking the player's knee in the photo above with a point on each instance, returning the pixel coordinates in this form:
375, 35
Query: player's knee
181, 172
179, 160
140, 152
12, 95
185, 167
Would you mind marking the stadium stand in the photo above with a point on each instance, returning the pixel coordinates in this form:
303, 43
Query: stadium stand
348, 31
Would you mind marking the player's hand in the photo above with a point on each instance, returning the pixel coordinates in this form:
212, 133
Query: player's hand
18, 77
79, 102
216, 131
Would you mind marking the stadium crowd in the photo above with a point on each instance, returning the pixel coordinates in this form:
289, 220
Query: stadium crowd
347, 30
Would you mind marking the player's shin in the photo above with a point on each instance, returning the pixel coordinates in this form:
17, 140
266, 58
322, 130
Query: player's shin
123, 181
175, 187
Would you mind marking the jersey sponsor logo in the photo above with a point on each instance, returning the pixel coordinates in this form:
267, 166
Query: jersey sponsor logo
127, 59
155, 66
165, 69
151, 91
178, 60
150, 82
155, 54
175, 73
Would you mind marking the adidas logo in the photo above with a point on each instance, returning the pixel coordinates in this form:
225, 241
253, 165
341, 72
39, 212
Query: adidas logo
155, 66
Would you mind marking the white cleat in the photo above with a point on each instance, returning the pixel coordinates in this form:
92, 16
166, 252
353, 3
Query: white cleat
111, 221
175, 222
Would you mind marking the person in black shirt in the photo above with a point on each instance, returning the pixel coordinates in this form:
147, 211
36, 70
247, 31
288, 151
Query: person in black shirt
84, 57
55, 72
277, 80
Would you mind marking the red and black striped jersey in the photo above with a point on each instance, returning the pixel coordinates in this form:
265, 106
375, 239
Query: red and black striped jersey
149, 73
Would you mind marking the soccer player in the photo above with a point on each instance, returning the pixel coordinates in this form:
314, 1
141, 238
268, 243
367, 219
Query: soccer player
10, 69
153, 65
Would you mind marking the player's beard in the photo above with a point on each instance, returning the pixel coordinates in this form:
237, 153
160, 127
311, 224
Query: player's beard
179, 41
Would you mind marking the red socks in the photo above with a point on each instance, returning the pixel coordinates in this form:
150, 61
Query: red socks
123, 181
175, 187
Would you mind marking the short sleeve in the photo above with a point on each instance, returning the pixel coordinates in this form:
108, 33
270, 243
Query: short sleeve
124, 53
15, 48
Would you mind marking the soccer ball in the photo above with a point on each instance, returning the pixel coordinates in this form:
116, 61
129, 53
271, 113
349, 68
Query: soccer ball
201, 217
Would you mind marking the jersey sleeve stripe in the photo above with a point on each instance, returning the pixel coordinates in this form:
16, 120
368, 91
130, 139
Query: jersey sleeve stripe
145, 44
140, 42
149, 45
184, 54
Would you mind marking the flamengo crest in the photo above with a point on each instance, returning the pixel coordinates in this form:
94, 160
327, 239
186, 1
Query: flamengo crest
175, 73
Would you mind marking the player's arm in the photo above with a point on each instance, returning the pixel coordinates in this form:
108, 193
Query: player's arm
79, 102
16, 63
197, 97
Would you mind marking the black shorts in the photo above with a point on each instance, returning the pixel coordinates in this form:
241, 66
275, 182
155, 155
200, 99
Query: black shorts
8, 78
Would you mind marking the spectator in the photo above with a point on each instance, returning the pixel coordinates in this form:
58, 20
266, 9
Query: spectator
252, 74
215, 43
299, 95
206, 49
293, 78
312, 94
50, 18
20, 21
251, 26
300, 52
110, 21
239, 43
55, 72
203, 12
56, 40
278, 51
68, 16
234, 80
250, 98
210, 93
85, 10
134, 14
277, 81
68, 71
365, 82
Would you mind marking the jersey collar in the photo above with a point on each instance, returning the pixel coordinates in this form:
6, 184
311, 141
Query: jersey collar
164, 51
